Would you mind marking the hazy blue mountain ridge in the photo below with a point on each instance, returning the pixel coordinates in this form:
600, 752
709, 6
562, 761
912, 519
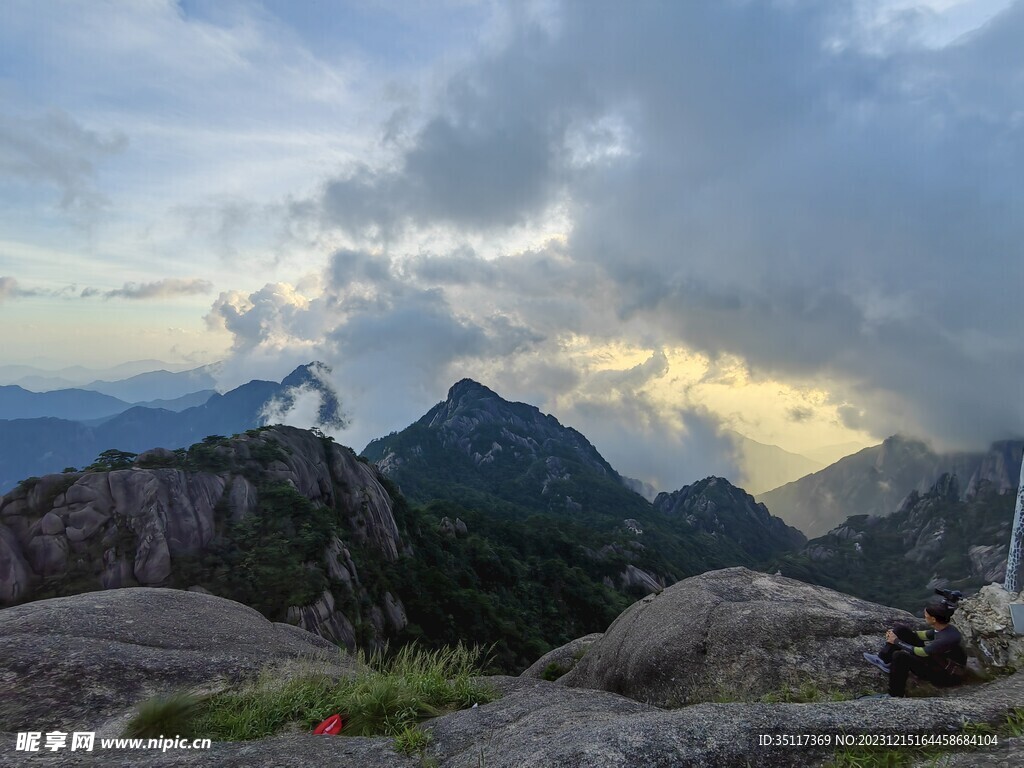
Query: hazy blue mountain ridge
72, 404
156, 385
33, 447
876, 480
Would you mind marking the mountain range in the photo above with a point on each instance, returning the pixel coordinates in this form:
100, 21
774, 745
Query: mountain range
485, 519
876, 480
510, 529
37, 446
948, 536
82, 404
40, 379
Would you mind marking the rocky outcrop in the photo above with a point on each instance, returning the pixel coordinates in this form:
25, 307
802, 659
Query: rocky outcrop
82, 662
321, 618
989, 562
564, 658
91, 518
87, 661
541, 723
985, 622
451, 529
736, 633
638, 579
715, 506
128, 526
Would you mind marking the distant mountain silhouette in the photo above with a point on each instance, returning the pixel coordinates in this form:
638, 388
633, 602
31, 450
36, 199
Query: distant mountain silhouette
72, 404
876, 480
156, 385
34, 447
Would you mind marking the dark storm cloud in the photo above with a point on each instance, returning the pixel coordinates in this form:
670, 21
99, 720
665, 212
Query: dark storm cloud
347, 266
739, 178
821, 212
491, 157
782, 193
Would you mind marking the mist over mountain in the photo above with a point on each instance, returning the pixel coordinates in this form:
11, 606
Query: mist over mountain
768, 466
37, 446
876, 480
951, 535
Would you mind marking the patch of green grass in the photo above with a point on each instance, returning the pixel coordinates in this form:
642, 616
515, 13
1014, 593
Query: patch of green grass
804, 692
412, 741
863, 757
388, 696
1015, 722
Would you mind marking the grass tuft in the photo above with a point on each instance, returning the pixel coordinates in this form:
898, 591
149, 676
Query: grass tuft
165, 716
388, 696
412, 741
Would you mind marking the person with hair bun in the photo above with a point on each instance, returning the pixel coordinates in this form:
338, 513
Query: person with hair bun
935, 654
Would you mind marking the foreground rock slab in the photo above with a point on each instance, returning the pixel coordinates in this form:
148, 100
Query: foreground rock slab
546, 724
736, 634
83, 662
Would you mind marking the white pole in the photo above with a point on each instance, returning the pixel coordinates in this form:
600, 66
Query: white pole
1014, 576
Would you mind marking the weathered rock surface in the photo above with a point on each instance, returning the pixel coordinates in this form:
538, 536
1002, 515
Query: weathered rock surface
738, 633
82, 662
565, 656
321, 618
984, 621
128, 527
540, 723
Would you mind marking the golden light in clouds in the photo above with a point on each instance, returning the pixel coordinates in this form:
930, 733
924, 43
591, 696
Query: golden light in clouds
796, 416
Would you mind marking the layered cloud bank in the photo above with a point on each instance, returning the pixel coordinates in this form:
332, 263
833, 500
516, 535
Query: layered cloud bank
801, 221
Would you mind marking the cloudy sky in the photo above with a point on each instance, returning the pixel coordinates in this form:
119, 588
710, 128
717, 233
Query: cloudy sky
802, 221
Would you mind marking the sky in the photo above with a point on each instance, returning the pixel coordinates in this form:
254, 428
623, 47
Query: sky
658, 221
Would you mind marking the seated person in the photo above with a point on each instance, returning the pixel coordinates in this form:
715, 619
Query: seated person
934, 654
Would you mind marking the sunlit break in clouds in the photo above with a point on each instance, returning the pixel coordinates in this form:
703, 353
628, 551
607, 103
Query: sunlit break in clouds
668, 224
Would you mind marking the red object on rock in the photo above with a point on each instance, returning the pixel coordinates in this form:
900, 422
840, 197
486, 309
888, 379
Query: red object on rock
329, 727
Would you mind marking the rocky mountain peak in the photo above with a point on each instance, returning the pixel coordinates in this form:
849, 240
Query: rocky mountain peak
470, 404
718, 507
477, 422
315, 377
467, 390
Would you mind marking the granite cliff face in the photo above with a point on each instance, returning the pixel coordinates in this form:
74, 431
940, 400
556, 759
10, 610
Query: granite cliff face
154, 523
720, 508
